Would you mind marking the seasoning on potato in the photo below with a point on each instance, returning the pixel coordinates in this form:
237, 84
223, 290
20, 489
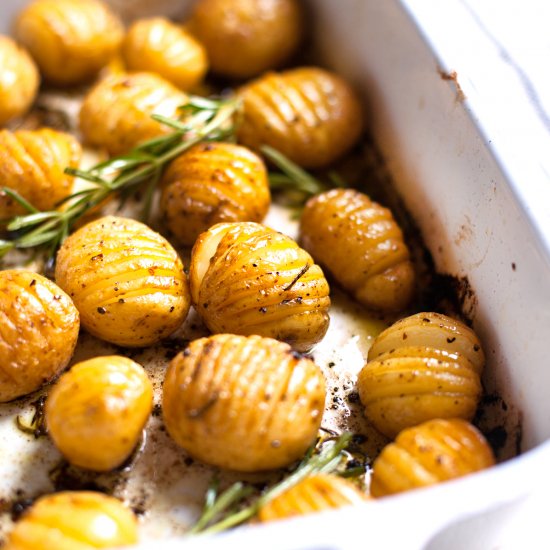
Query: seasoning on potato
244, 38
96, 411
425, 366
424, 455
126, 280
32, 163
243, 403
19, 80
79, 520
312, 116
246, 278
212, 183
38, 332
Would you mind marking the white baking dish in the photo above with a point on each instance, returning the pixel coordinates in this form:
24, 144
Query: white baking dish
480, 221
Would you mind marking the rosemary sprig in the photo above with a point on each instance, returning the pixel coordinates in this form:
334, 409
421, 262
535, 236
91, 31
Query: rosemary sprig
202, 119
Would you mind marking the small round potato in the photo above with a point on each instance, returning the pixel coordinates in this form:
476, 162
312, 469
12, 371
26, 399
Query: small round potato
243, 403
244, 38
310, 115
79, 520
249, 279
96, 411
32, 163
116, 112
38, 332
158, 46
423, 367
361, 245
70, 40
126, 280
19, 80
212, 183
435, 451
313, 494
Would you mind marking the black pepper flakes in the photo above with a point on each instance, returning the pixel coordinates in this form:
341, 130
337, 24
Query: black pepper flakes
101, 310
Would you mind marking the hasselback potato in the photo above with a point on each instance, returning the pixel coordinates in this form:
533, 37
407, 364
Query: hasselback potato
212, 183
32, 163
360, 244
80, 520
249, 279
126, 280
310, 115
243, 403
423, 367
19, 80
70, 40
435, 451
38, 332
96, 412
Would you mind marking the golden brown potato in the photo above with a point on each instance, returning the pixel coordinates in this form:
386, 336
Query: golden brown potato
96, 412
126, 280
19, 80
32, 163
70, 40
38, 331
116, 112
243, 403
158, 46
423, 367
313, 494
80, 520
310, 115
244, 38
212, 183
435, 451
361, 245
248, 279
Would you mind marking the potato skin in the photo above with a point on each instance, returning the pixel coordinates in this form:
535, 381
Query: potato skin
212, 183
19, 80
360, 244
38, 332
435, 451
423, 367
310, 115
33, 163
126, 280
116, 112
243, 403
313, 494
244, 38
70, 40
158, 46
79, 520
246, 278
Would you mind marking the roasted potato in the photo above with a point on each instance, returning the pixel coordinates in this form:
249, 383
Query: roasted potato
38, 332
211, 183
19, 80
159, 46
313, 494
248, 279
96, 412
116, 112
423, 367
310, 115
243, 403
435, 451
244, 38
80, 520
361, 245
32, 163
126, 280
70, 40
